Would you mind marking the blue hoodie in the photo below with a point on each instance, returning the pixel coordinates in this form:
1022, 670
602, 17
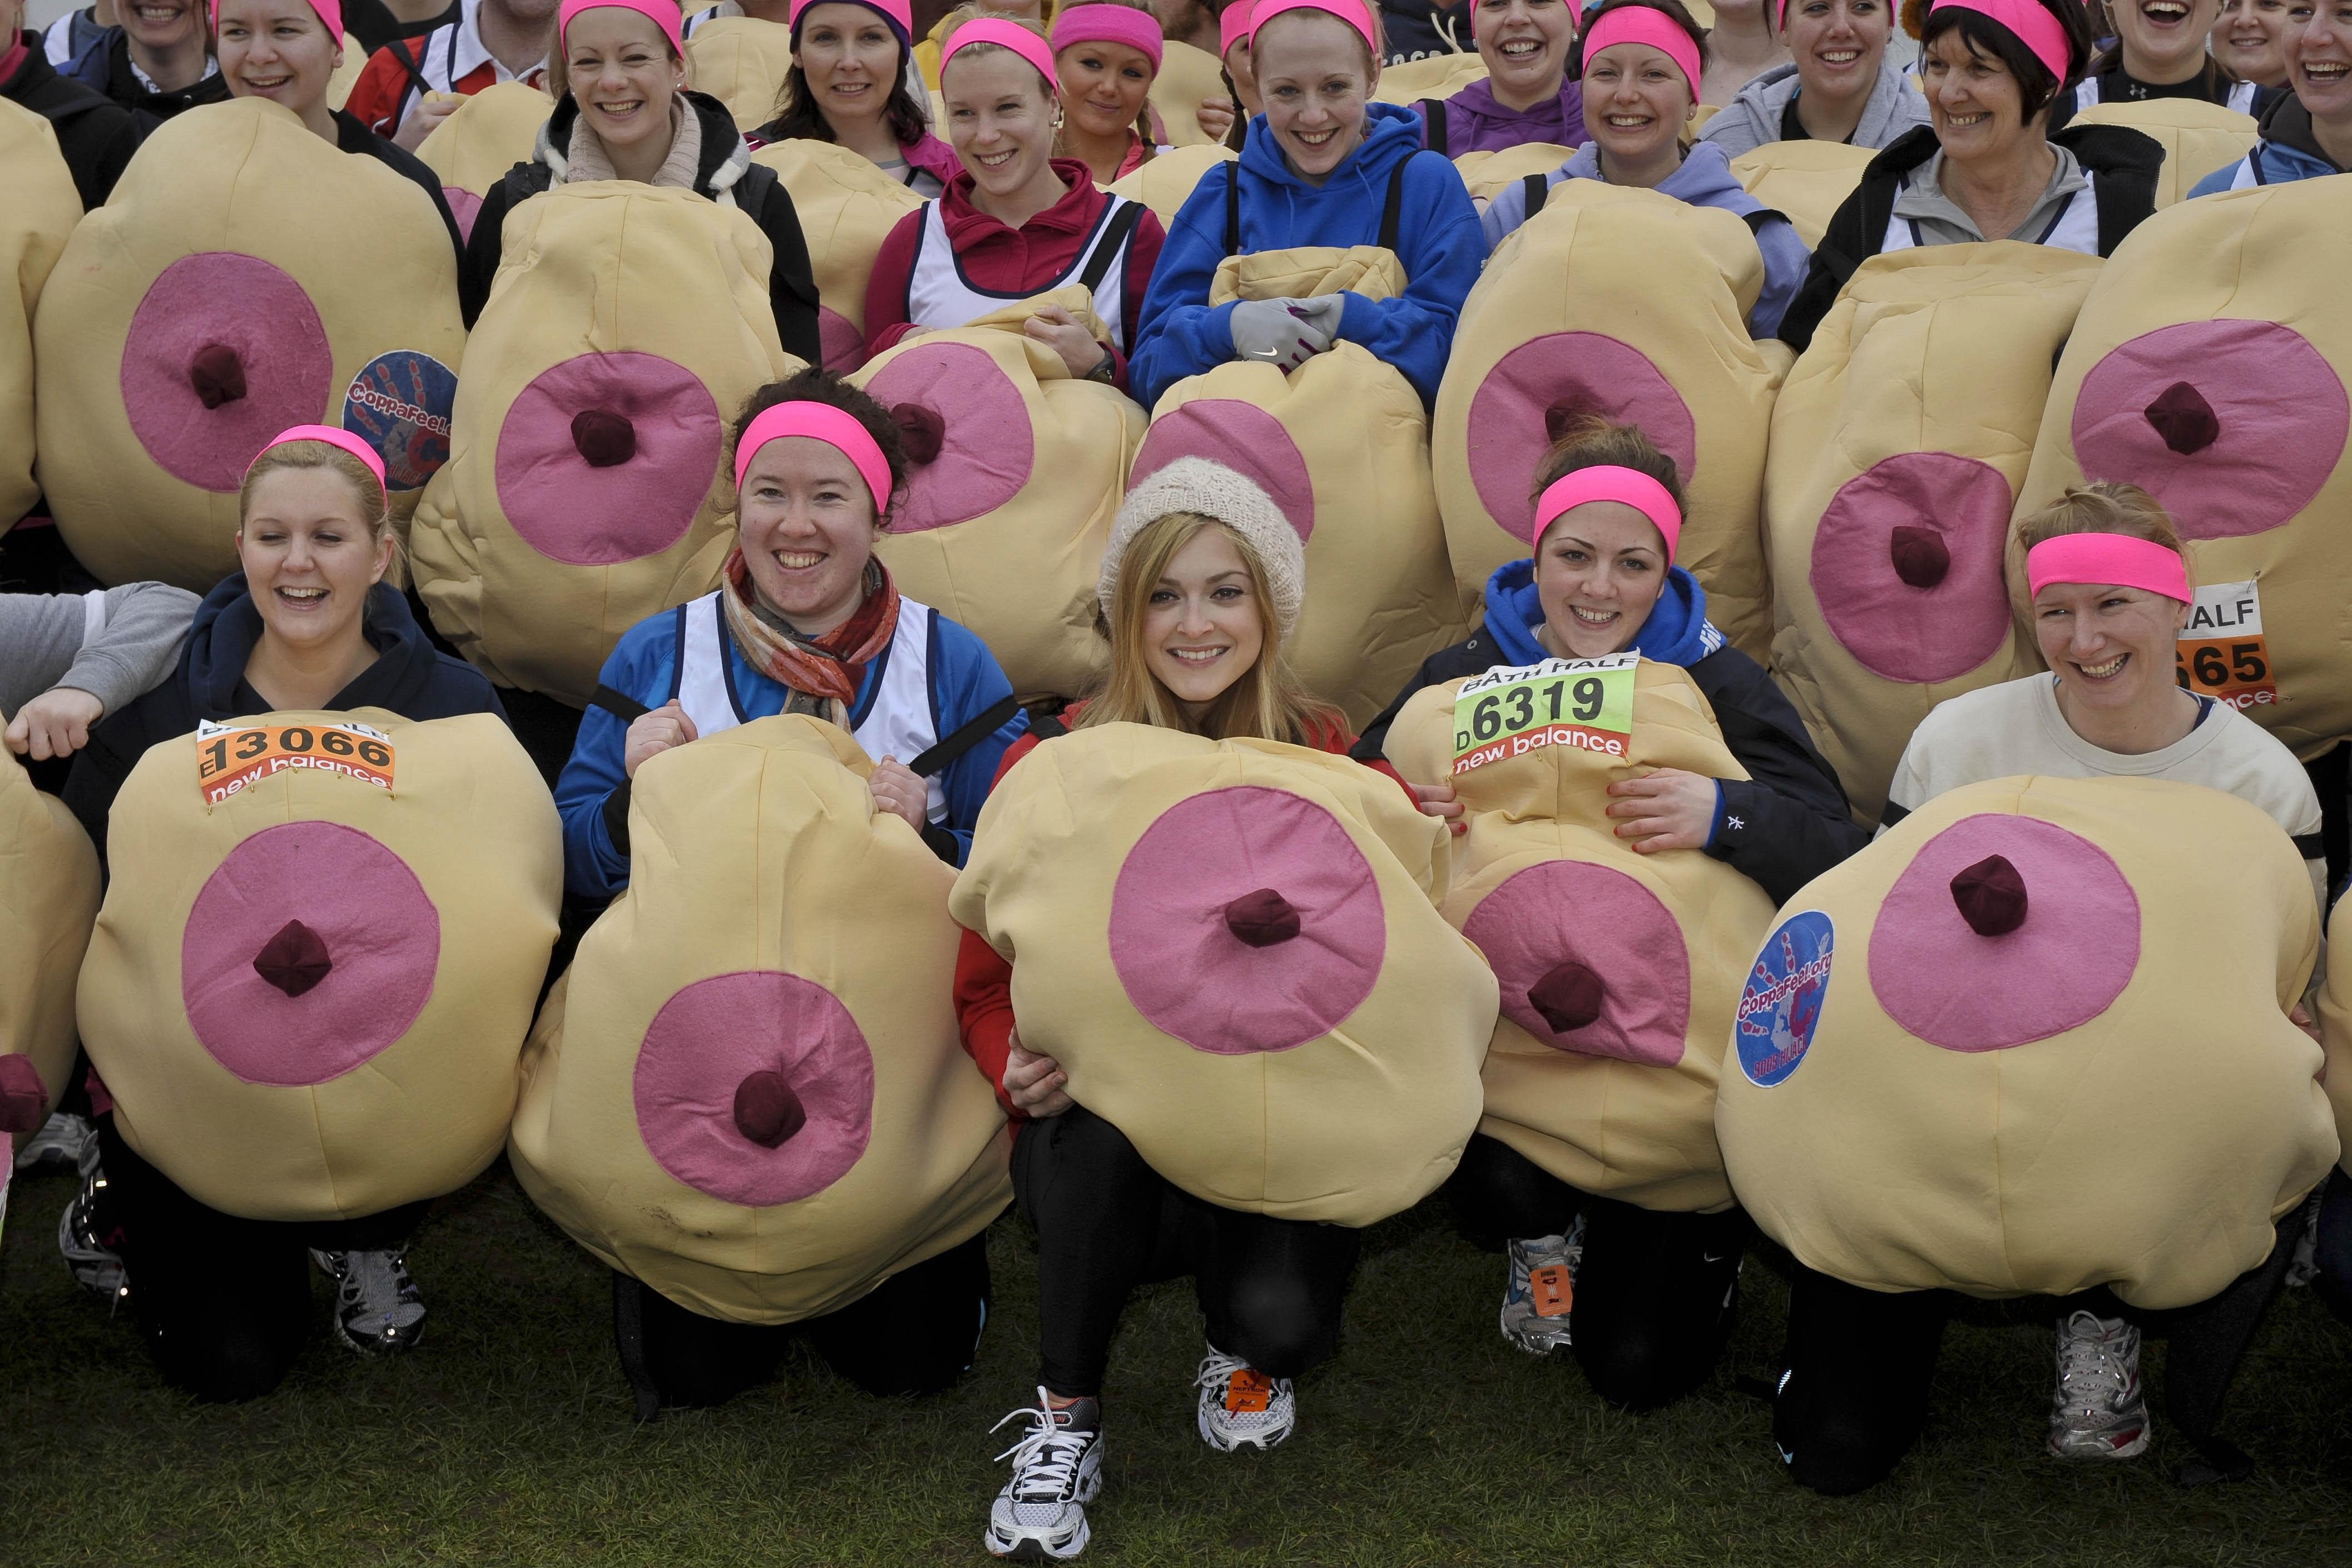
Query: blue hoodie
1704, 180
1180, 334
1676, 633
2288, 152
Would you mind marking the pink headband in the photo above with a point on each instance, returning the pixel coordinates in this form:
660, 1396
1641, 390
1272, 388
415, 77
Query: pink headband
2117, 559
1348, 11
2032, 25
819, 422
331, 12
1109, 24
1004, 35
897, 11
1607, 482
1643, 24
332, 437
663, 16
1232, 27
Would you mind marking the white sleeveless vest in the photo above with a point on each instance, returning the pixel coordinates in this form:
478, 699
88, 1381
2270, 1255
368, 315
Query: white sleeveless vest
939, 295
2240, 98
901, 721
2075, 228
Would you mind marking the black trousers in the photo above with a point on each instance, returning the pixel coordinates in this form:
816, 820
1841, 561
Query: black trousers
1854, 1397
2334, 1243
223, 1303
915, 1333
1272, 1290
1656, 1295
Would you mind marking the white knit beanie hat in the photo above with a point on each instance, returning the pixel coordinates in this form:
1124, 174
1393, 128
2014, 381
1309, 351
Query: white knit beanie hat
1213, 490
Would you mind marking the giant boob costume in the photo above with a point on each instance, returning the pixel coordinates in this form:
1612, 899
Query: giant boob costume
748, 1091
1233, 948
217, 299
1618, 971
42, 210
318, 954
1936, 1038
50, 871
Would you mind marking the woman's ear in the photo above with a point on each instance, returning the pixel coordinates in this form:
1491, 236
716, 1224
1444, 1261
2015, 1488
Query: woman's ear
385, 548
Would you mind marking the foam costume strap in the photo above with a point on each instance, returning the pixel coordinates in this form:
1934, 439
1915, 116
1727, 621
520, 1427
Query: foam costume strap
2117, 559
1607, 482
1356, 16
1232, 27
1109, 24
818, 421
333, 437
1004, 35
665, 17
1642, 24
331, 12
2033, 26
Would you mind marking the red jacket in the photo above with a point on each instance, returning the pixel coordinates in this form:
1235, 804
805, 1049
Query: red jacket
983, 981
450, 58
1007, 260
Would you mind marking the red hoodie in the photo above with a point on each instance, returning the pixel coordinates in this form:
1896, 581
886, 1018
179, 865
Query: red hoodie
1008, 260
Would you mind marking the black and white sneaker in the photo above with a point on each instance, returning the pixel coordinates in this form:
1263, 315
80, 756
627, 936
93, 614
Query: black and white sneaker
89, 1239
378, 1309
1041, 1514
58, 1145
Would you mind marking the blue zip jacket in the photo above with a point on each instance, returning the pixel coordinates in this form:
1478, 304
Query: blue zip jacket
1704, 180
1181, 334
1676, 630
592, 795
2288, 152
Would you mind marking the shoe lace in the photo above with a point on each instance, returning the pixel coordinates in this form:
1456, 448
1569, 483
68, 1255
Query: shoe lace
377, 1279
1217, 1368
2089, 1371
1046, 1459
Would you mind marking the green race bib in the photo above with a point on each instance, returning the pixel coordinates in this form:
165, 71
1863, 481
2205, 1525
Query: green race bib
1508, 713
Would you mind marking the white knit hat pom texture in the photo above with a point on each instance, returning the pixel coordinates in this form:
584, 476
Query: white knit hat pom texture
1234, 499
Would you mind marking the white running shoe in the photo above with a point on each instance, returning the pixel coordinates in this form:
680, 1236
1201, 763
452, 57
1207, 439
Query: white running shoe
379, 1310
1542, 1289
1041, 1514
88, 1249
1242, 1406
2100, 1411
57, 1145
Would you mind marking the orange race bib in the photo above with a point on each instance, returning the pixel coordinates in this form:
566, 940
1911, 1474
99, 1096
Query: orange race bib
2223, 654
230, 757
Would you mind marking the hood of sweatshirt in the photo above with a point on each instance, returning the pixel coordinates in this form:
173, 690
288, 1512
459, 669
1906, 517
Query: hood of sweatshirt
1753, 117
1677, 631
1480, 122
2286, 128
725, 156
1331, 212
228, 624
1705, 178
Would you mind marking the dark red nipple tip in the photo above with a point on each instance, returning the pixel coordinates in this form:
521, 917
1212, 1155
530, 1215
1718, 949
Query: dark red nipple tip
294, 960
1990, 896
216, 374
921, 431
1569, 997
605, 438
766, 1111
1262, 918
1920, 556
24, 1098
2186, 422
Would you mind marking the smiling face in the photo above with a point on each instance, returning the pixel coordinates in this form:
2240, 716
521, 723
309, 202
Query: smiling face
2164, 40
1636, 101
2112, 647
850, 57
1838, 43
1600, 569
1201, 628
1103, 86
277, 49
2251, 38
1314, 80
1000, 119
309, 557
1976, 105
807, 529
2319, 64
163, 24
623, 77
1525, 44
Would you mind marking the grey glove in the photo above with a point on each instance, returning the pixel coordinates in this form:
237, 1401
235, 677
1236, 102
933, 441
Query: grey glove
1277, 332
1323, 312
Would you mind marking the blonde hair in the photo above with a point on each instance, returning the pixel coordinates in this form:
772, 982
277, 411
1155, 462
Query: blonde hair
2103, 508
1144, 128
1266, 702
374, 509
558, 75
970, 13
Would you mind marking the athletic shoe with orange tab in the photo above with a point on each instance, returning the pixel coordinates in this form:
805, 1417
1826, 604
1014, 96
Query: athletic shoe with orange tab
1542, 1289
1242, 1406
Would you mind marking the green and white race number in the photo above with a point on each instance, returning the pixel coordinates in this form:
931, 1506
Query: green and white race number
1508, 713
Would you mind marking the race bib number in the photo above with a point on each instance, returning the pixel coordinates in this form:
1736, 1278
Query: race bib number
229, 757
2223, 654
1508, 713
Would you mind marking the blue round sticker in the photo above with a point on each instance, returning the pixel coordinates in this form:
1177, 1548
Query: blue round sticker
400, 403
1783, 1003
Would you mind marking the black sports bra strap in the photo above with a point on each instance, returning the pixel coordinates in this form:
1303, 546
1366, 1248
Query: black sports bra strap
1539, 190
1394, 210
1232, 209
1433, 115
1113, 241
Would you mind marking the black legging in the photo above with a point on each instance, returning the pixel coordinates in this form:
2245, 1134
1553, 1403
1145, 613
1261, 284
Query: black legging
915, 1333
1656, 1293
2332, 1250
223, 1303
1272, 1290
1855, 1395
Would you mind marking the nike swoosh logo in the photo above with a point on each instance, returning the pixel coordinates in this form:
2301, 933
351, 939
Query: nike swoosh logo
1265, 353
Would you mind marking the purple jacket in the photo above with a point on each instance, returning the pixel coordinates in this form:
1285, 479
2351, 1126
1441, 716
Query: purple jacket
1475, 122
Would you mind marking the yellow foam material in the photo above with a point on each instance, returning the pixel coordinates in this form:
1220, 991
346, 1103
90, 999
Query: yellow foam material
2197, 137
846, 207
1489, 174
1164, 183
1805, 181
51, 874
42, 208
1436, 75
743, 62
1188, 76
2335, 1042
491, 131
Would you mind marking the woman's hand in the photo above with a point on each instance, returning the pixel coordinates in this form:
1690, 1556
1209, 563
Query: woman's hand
1059, 330
55, 724
1438, 801
652, 734
425, 119
1216, 119
1667, 809
1033, 1084
900, 791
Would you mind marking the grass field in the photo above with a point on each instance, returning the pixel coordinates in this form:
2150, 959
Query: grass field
506, 1439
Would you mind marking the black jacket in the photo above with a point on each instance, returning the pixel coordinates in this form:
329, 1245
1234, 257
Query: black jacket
1782, 826
726, 167
150, 109
354, 138
1416, 30
408, 678
2123, 161
96, 136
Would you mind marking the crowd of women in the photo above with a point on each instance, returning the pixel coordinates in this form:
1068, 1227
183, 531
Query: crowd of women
1008, 123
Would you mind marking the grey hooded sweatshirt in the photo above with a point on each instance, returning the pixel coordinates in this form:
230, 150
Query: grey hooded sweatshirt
1759, 112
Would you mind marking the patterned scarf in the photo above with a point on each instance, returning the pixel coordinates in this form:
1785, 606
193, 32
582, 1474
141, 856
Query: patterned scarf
820, 672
